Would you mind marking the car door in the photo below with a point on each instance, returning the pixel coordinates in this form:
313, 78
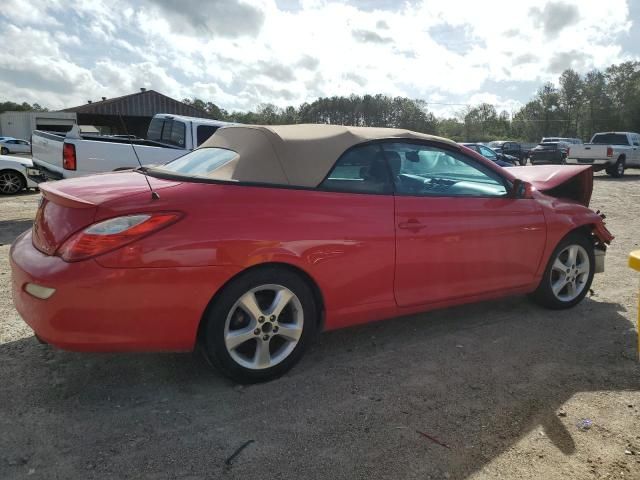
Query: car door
20, 146
458, 232
26, 146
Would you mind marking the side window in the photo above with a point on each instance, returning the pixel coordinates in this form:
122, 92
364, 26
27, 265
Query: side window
488, 153
173, 133
423, 170
360, 170
203, 132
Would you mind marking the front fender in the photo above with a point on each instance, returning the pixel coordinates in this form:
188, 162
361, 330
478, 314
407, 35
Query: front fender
564, 217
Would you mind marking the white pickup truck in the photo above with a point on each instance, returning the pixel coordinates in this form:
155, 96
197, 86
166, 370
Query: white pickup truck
612, 151
59, 156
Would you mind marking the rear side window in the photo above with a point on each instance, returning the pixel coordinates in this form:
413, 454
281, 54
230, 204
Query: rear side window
166, 130
203, 132
201, 162
610, 139
360, 170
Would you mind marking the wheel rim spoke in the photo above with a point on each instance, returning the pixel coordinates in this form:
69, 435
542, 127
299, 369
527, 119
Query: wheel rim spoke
291, 333
573, 253
235, 338
281, 300
558, 286
559, 266
249, 304
262, 357
583, 268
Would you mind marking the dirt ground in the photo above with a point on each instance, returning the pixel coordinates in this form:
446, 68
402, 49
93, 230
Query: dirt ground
500, 385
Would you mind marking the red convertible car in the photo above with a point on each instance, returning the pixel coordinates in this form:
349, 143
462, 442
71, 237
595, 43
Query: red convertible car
264, 236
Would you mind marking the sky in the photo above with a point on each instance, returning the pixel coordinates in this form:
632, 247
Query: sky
241, 53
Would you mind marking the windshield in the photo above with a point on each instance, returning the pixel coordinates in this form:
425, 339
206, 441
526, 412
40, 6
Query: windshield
610, 139
200, 163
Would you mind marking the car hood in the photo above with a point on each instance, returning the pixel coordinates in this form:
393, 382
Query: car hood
19, 160
562, 181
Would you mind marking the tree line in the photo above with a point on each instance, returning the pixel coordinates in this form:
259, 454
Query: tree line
578, 107
21, 107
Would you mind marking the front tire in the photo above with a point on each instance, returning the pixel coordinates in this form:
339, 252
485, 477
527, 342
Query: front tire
260, 324
4, 150
568, 275
11, 182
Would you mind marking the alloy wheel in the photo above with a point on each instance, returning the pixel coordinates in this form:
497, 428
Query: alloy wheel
570, 273
10, 183
264, 326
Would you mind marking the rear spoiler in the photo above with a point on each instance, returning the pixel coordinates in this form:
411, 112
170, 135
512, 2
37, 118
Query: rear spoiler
53, 194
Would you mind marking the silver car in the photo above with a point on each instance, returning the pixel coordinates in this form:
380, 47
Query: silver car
14, 145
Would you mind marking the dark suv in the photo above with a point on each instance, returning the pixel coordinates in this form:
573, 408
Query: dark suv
550, 152
514, 149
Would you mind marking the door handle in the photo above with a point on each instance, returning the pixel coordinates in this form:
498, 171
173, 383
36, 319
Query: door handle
411, 224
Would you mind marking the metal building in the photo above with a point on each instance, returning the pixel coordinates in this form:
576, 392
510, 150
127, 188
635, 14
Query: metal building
22, 124
135, 111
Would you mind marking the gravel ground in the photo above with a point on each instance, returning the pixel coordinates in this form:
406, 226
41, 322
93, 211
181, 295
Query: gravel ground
500, 386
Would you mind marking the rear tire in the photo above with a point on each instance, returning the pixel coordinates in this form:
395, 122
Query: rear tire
259, 326
568, 275
617, 169
4, 150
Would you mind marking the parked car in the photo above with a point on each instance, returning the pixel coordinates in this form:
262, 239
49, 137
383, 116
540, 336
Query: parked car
72, 155
253, 243
14, 174
497, 158
612, 151
510, 148
549, 152
570, 141
14, 145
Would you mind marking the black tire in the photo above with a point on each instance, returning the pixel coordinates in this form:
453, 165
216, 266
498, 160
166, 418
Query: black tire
617, 169
4, 150
224, 306
11, 182
544, 294
523, 161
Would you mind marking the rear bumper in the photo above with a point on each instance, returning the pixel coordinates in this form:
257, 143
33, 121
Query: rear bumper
108, 309
548, 159
588, 161
46, 173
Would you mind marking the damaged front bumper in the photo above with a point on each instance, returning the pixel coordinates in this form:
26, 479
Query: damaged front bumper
599, 257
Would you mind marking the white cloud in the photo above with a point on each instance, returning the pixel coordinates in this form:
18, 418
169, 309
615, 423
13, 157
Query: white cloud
442, 51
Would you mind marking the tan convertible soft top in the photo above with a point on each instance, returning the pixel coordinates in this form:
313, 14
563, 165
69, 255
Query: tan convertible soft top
299, 155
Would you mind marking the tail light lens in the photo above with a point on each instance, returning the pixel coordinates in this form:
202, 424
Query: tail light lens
69, 156
108, 235
609, 152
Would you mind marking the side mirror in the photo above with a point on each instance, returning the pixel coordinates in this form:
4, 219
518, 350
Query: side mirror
520, 189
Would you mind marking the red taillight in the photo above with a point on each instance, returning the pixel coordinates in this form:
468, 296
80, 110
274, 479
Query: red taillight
609, 152
69, 156
108, 235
